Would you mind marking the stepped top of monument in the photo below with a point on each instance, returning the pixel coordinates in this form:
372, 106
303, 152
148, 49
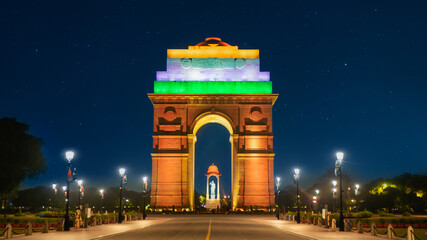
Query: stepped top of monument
213, 47
213, 41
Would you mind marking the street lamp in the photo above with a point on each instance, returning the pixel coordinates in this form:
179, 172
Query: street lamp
122, 173
338, 170
80, 182
296, 177
278, 197
69, 155
356, 189
53, 198
101, 192
144, 190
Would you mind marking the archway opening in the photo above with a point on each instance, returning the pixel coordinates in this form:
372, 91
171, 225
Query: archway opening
213, 146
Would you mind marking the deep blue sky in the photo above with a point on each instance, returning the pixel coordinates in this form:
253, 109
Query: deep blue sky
351, 76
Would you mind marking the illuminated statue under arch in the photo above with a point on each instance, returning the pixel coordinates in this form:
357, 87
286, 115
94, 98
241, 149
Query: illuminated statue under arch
212, 196
212, 82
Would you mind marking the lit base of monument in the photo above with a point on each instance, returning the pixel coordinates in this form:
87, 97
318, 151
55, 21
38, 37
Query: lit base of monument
213, 204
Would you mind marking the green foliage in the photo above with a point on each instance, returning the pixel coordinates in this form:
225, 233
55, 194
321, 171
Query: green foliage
385, 214
363, 214
406, 214
20, 153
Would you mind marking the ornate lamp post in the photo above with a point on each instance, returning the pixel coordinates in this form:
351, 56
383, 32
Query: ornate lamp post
69, 155
80, 182
53, 198
101, 192
338, 170
144, 190
122, 173
296, 177
278, 197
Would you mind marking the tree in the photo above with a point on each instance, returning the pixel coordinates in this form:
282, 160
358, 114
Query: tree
20, 156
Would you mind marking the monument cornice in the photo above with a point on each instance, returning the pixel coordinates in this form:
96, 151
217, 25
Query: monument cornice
159, 98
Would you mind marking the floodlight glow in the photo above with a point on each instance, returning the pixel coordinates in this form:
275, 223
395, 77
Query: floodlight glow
144, 179
64, 188
317, 191
278, 179
53, 186
122, 171
357, 186
334, 190
80, 182
334, 183
297, 171
69, 155
340, 156
101, 191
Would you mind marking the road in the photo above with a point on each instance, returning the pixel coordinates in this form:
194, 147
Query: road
209, 227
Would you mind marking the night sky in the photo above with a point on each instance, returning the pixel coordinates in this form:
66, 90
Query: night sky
351, 77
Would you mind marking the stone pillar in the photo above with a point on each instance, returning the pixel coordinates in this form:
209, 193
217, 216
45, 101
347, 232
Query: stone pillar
8, 233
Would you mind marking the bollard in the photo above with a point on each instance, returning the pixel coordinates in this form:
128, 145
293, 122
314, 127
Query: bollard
410, 234
334, 225
359, 227
390, 234
373, 229
45, 228
8, 233
347, 225
29, 229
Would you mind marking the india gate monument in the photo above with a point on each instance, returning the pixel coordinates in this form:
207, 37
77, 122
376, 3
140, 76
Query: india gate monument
212, 82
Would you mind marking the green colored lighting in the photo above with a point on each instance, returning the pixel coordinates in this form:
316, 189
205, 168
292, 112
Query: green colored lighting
213, 87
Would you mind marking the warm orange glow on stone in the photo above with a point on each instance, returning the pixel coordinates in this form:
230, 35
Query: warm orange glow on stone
212, 51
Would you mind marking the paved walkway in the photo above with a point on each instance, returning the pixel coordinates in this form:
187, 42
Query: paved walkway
94, 232
315, 232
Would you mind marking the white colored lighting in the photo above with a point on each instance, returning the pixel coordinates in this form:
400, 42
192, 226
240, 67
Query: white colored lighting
334, 183
334, 190
357, 186
101, 191
54, 186
80, 182
144, 179
296, 170
340, 156
64, 188
122, 171
69, 155
317, 191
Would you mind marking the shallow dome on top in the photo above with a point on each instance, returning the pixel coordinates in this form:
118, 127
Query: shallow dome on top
213, 41
213, 170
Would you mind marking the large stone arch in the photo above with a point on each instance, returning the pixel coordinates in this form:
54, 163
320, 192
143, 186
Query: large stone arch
177, 118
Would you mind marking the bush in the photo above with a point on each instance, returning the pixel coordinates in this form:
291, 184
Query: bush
385, 214
406, 214
363, 214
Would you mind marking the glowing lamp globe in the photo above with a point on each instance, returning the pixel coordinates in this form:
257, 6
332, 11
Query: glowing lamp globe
334, 182
69, 155
340, 156
101, 191
53, 186
122, 171
144, 179
80, 182
296, 170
